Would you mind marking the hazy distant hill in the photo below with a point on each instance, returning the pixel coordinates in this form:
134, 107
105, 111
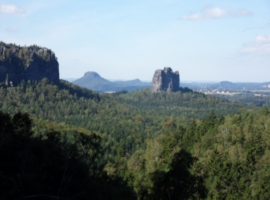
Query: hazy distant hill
135, 82
226, 85
94, 81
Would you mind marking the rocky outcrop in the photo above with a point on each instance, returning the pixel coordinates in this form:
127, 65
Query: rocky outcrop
27, 63
165, 80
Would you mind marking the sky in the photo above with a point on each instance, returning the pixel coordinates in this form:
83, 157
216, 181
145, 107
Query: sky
123, 40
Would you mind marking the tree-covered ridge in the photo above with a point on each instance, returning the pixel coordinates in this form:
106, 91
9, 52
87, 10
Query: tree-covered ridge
250, 98
160, 145
225, 158
191, 105
212, 158
24, 54
133, 115
50, 166
233, 154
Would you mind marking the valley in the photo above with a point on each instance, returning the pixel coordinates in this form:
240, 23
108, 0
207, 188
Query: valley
136, 142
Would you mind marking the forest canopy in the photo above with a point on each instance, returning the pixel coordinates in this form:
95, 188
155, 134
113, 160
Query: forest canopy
74, 143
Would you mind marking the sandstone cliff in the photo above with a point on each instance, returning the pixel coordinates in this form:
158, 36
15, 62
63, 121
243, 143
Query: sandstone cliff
165, 80
27, 63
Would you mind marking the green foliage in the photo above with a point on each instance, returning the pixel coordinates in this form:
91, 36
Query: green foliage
22, 55
178, 182
162, 145
252, 98
233, 156
133, 115
49, 167
163, 171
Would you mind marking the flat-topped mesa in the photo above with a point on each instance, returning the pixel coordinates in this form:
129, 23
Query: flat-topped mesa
165, 80
19, 63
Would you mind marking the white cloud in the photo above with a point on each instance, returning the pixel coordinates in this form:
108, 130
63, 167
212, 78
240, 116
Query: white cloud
261, 45
192, 17
10, 9
262, 39
212, 12
12, 30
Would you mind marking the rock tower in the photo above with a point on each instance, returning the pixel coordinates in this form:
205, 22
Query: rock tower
165, 80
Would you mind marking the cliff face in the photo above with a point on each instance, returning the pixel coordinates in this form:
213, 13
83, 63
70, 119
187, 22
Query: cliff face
27, 63
165, 80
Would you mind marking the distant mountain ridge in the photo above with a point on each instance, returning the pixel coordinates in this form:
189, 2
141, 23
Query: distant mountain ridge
135, 82
93, 81
227, 85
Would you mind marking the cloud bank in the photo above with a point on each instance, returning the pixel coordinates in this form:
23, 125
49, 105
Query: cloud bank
10, 9
261, 45
212, 12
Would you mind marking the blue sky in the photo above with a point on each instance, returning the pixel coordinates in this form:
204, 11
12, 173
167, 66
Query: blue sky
204, 40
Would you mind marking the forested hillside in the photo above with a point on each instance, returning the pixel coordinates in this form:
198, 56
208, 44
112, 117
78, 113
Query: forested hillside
132, 145
227, 158
49, 166
251, 98
134, 115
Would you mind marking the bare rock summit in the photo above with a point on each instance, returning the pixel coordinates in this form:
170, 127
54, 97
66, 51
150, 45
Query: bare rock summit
165, 80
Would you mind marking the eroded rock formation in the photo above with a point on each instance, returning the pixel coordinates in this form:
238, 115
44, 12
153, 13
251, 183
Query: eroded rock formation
27, 63
165, 80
